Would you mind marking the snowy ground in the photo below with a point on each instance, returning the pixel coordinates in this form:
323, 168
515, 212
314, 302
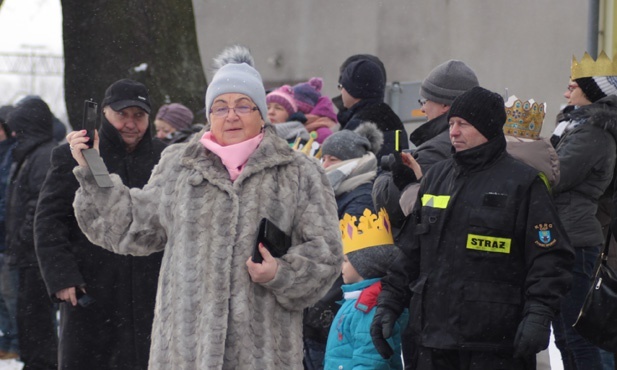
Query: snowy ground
553, 351
556, 363
11, 365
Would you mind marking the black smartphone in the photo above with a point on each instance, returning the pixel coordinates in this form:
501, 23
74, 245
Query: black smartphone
83, 299
90, 120
275, 240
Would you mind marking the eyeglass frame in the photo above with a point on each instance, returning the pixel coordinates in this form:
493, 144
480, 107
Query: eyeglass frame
572, 87
227, 109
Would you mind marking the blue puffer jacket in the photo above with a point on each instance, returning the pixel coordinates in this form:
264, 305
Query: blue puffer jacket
356, 201
349, 343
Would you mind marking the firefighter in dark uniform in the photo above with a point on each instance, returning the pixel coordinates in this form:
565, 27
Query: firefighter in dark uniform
486, 260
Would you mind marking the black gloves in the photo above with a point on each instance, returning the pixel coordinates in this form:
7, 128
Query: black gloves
401, 174
389, 308
381, 329
534, 331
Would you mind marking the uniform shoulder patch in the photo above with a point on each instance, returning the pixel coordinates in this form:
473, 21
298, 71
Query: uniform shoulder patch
545, 235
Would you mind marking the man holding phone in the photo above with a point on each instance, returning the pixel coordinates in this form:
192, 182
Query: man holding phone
108, 299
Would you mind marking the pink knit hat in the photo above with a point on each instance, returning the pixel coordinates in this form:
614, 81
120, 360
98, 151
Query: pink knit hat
284, 96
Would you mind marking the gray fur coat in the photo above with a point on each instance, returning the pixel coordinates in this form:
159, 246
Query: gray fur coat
209, 314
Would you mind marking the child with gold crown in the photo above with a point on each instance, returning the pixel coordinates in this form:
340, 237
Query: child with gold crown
369, 251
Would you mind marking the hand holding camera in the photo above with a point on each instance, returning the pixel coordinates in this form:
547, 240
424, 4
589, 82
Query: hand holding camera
405, 169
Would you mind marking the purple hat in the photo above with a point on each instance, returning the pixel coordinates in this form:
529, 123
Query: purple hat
176, 114
307, 94
284, 96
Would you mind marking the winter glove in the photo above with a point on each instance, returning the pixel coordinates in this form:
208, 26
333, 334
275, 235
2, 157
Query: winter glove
534, 331
389, 308
401, 174
381, 329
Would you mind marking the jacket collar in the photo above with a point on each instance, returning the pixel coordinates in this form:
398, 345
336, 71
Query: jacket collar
602, 113
429, 130
345, 116
480, 157
272, 151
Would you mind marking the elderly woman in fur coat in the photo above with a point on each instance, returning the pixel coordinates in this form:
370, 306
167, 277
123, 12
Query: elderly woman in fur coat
215, 308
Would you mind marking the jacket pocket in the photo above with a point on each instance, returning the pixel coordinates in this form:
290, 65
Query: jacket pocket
416, 313
494, 221
490, 313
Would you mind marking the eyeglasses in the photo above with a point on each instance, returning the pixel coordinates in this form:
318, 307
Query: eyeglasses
339, 86
241, 110
422, 102
572, 87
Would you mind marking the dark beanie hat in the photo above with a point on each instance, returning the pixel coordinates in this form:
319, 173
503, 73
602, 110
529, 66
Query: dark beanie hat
596, 88
447, 81
363, 79
370, 57
483, 109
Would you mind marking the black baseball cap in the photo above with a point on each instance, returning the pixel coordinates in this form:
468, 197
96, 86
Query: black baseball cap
127, 93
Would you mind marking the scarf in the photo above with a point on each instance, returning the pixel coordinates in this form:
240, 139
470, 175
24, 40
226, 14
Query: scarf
233, 156
348, 175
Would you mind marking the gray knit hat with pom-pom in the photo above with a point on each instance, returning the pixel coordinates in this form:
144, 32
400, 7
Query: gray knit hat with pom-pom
235, 74
347, 144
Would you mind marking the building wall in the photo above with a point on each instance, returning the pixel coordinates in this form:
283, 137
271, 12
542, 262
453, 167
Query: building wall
524, 46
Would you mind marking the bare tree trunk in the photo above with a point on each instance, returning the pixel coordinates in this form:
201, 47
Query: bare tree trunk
150, 41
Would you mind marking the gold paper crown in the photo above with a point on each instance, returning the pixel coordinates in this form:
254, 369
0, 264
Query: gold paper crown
372, 230
587, 67
524, 119
311, 147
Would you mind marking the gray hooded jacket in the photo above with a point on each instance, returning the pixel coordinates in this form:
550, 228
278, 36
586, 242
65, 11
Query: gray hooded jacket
587, 154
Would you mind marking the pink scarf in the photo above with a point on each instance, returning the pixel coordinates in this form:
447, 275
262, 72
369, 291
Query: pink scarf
233, 156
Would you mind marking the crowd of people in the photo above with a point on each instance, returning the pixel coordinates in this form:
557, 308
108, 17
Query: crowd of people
462, 252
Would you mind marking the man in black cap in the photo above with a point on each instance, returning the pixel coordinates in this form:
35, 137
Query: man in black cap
107, 299
484, 251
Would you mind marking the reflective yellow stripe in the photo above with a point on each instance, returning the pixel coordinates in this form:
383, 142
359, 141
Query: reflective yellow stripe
435, 201
545, 180
488, 243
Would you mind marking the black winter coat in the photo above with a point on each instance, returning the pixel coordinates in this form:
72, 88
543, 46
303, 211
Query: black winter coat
483, 241
380, 113
32, 122
113, 332
432, 140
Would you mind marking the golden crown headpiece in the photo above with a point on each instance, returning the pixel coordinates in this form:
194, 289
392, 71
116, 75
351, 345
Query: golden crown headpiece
588, 67
371, 230
312, 148
524, 118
